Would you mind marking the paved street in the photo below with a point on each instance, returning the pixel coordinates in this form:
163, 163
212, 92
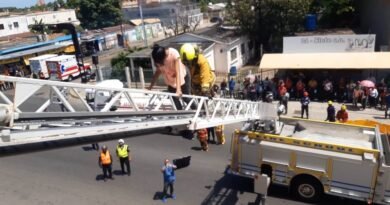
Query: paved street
70, 175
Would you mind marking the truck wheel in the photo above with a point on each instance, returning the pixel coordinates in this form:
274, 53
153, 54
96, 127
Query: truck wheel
70, 78
307, 189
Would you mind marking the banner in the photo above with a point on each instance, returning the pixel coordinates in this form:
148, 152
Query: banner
329, 43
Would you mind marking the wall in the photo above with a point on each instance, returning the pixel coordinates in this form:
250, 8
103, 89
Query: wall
209, 55
242, 58
221, 58
13, 25
375, 18
53, 17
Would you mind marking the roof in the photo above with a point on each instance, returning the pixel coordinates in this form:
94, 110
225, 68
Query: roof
361, 60
222, 34
175, 42
46, 56
216, 7
137, 22
62, 57
31, 51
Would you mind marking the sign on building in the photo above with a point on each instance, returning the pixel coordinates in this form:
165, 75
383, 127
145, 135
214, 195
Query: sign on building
329, 43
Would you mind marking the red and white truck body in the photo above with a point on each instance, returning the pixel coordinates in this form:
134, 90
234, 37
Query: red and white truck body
64, 67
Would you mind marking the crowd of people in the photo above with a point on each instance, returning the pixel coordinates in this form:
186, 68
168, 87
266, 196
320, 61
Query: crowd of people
361, 94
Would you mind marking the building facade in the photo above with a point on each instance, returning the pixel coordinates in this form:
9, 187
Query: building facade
11, 25
171, 14
53, 17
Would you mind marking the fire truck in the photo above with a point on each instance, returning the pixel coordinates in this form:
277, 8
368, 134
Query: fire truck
313, 158
64, 67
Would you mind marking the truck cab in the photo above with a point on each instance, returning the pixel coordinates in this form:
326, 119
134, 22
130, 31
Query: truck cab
97, 99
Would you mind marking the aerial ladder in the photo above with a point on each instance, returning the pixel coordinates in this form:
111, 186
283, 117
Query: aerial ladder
40, 111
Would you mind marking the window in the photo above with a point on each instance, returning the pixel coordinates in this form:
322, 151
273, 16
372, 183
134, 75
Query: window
242, 48
69, 19
233, 54
1, 26
16, 24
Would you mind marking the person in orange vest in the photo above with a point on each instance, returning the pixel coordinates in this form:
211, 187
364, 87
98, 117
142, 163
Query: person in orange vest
202, 137
105, 162
342, 114
220, 134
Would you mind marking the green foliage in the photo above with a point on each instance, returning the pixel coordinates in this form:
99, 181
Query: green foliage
39, 28
118, 65
336, 13
267, 21
95, 14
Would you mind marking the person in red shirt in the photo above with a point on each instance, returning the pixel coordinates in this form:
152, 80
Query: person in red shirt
283, 96
342, 114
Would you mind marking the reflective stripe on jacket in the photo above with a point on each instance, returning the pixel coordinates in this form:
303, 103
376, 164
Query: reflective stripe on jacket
122, 151
105, 158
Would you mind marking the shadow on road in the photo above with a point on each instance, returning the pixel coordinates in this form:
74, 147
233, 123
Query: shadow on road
226, 190
99, 177
88, 148
196, 148
158, 195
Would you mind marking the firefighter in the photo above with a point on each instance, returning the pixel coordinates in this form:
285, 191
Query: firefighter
202, 77
123, 153
105, 162
220, 134
331, 112
342, 114
202, 137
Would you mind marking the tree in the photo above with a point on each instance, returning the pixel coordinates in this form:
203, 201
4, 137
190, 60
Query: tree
97, 13
336, 13
266, 20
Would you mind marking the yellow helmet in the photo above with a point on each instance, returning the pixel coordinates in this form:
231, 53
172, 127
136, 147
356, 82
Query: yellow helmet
330, 102
343, 107
187, 52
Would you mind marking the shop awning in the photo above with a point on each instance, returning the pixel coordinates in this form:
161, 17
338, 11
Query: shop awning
363, 60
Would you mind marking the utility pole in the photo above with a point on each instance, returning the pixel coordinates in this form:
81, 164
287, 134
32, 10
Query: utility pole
143, 23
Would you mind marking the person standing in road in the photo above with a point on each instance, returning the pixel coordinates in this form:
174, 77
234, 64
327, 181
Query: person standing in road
283, 96
168, 171
211, 132
220, 134
331, 117
202, 137
123, 152
387, 103
95, 146
105, 162
342, 114
305, 101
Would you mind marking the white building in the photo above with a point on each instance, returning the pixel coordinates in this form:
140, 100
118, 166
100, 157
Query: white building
53, 17
12, 25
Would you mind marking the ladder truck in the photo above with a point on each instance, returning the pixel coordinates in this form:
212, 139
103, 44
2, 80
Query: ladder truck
40, 111
314, 157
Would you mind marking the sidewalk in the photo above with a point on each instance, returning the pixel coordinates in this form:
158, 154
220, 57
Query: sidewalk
317, 111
